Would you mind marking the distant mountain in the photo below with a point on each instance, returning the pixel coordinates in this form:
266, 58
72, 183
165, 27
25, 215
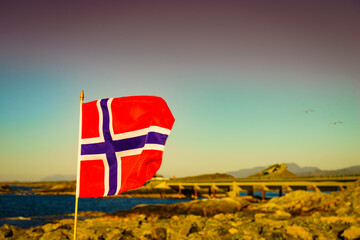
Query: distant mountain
208, 176
58, 177
300, 171
355, 170
246, 172
292, 167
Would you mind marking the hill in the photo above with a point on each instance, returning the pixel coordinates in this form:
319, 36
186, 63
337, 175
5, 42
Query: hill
246, 172
292, 167
59, 177
277, 170
208, 176
300, 171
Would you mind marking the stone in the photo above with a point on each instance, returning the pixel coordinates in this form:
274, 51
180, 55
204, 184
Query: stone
298, 232
298, 215
233, 231
336, 219
205, 208
281, 215
351, 233
259, 216
128, 232
194, 228
161, 233
55, 235
7, 231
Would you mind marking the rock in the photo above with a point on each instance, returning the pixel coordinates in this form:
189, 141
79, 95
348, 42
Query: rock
160, 233
5, 188
233, 231
281, 215
345, 209
324, 236
48, 227
146, 235
274, 235
301, 215
297, 202
113, 234
259, 216
205, 208
128, 233
220, 216
7, 231
298, 232
352, 232
55, 235
194, 228
336, 219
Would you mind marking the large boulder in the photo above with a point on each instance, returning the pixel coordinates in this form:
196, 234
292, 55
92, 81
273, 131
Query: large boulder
205, 208
9, 231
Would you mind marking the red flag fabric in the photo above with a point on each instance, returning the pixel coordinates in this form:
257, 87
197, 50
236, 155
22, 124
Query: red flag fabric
122, 142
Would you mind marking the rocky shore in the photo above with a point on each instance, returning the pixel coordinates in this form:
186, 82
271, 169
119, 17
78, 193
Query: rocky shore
68, 188
41, 188
155, 188
298, 215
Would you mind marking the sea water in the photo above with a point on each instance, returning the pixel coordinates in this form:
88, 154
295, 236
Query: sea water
32, 210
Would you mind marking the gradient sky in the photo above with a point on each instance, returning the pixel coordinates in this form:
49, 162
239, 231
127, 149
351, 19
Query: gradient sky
237, 75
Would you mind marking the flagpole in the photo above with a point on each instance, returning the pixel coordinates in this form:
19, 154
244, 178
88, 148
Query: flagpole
78, 165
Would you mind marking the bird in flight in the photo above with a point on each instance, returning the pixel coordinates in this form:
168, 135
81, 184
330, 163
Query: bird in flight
336, 122
309, 110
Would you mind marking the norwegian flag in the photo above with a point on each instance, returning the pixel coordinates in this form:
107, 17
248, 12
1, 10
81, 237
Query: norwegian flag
122, 142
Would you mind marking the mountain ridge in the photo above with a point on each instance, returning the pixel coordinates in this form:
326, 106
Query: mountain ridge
354, 170
300, 171
58, 177
292, 167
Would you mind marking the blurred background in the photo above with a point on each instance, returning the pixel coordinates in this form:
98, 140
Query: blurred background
249, 83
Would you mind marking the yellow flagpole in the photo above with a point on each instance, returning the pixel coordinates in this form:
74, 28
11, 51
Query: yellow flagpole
78, 165
75, 217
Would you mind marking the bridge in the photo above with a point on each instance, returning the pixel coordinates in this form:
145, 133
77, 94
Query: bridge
233, 186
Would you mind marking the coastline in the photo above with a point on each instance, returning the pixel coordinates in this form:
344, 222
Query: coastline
68, 188
297, 215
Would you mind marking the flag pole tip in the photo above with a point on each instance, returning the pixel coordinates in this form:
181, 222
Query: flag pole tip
82, 95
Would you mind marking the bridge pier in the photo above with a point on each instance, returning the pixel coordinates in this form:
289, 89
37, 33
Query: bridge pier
236, 189
315, 188
250, 192
212, 190
195, 192
234, 186
263, 193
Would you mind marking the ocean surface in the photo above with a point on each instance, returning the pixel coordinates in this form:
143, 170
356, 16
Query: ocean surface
28, 211
32, 210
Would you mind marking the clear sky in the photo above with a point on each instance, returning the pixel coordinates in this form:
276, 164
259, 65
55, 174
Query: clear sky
237, 75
